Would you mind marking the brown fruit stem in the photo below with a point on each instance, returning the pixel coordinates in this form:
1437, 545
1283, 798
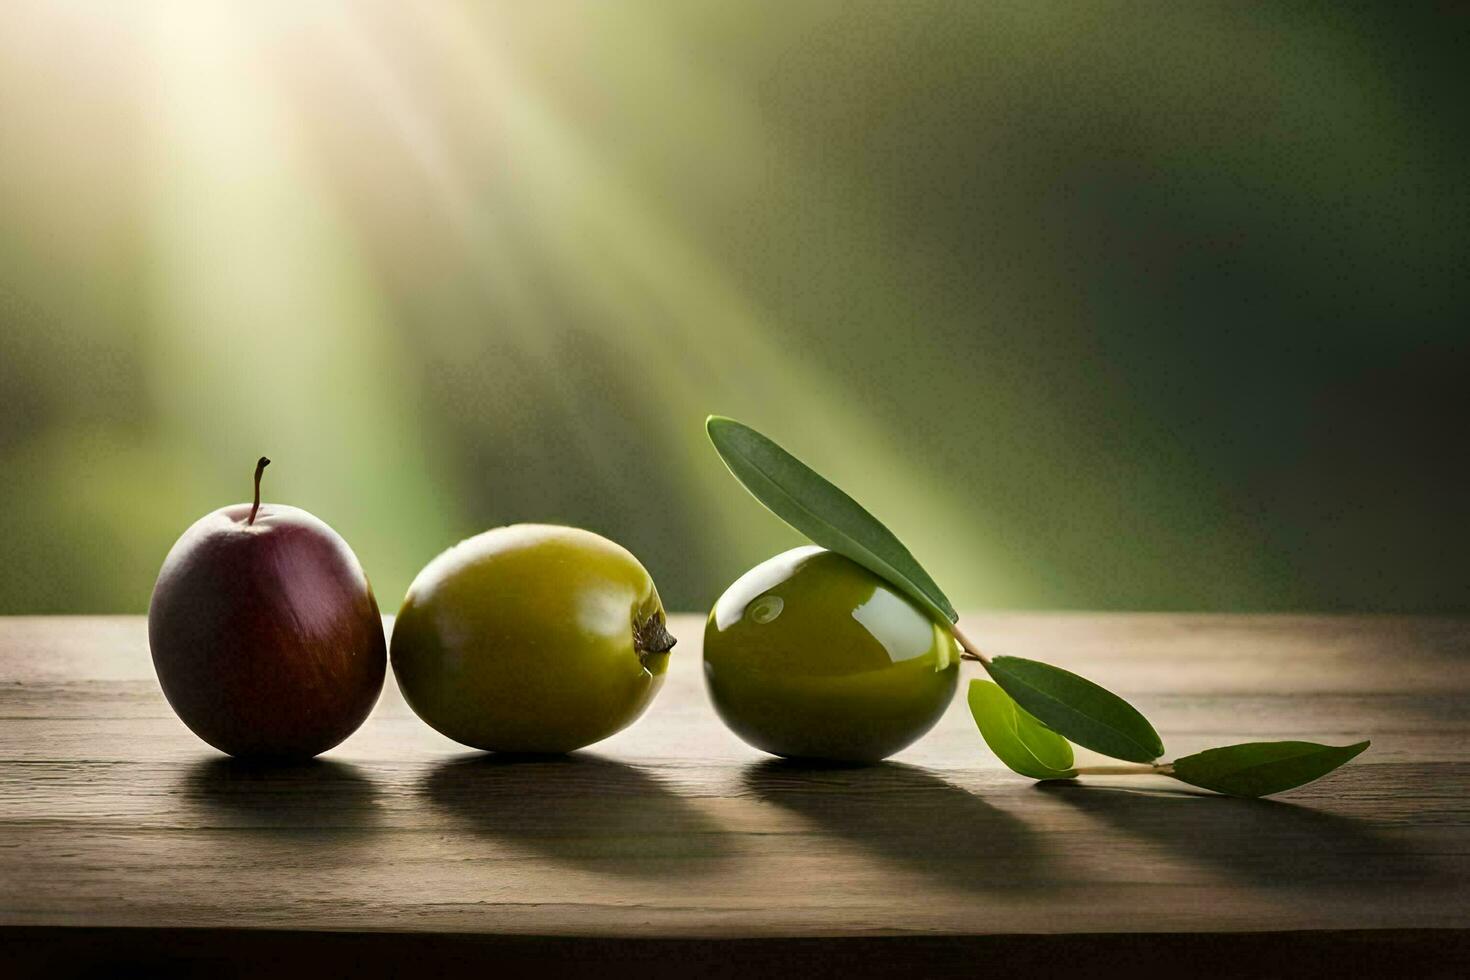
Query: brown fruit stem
650, 637
971, 649
260, 466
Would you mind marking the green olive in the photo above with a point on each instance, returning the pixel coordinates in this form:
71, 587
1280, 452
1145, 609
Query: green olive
531, 638
810, 655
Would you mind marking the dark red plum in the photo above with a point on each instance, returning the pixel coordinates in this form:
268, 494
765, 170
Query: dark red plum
265, 633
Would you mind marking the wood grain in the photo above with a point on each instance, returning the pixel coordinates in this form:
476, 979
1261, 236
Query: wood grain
673, 835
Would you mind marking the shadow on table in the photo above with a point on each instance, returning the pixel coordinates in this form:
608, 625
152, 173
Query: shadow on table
580, 810
908, 816
321, 800
1264, 842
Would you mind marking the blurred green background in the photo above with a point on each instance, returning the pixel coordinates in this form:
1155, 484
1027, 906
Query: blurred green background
1099, 305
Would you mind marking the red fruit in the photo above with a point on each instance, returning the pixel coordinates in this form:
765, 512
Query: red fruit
265, 633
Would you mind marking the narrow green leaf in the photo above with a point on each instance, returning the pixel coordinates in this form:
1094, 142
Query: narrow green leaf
801, 497
1262, 768
1078, 709
1024, 744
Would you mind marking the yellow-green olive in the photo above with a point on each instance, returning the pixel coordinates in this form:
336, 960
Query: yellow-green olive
531, 638
810, 655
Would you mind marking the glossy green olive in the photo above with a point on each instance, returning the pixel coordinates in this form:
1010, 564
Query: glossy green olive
810, 655
531, 638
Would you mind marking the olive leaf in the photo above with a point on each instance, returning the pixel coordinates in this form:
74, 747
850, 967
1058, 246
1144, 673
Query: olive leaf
1077, 709
1262, 768
1031, 711
1024, 744
802, 498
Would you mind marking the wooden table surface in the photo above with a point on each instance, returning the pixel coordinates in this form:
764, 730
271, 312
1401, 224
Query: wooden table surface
673, 845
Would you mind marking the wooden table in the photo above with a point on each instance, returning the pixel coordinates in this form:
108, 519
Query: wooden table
674, 848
